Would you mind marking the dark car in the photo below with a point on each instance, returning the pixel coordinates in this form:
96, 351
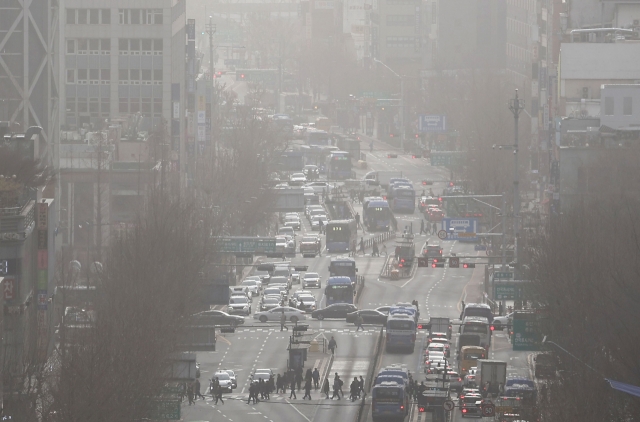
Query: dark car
384, 309
216, 318
369, 316
337, 310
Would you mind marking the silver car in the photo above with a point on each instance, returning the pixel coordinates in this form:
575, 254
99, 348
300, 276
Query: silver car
232, 375
226, 384
292, 314
311, 280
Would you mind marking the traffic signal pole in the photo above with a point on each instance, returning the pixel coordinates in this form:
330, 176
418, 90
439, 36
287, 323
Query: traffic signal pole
516, 106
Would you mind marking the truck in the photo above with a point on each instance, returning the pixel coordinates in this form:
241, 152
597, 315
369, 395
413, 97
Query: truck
491, 377
440, 325
381, 178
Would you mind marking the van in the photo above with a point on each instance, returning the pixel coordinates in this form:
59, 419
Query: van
286, 231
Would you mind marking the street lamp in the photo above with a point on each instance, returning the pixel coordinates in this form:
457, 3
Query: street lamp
402, 130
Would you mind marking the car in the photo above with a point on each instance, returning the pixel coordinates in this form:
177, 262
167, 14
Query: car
337, 310
239, 304
292, 314
239, 290
470, 405
469, 380
297, 179
308, 302
316, 221
310, 208
282, 186
290, 244
270, 302
300, 293
214, 317
444, 342
232, 375
295, 279
293, 222
434, 356
310, 246
468, 390
436, 335
311, 172
500, 322
383, 309
252, 285
369, 316
286, 231
455, 381
316, 212
436, 347
319, 186
262, 373
311, 280
279, 279
224, 380
273, 291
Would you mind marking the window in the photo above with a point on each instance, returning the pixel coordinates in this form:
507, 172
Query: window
400, 42
608, 106
82, 105
71, 46
124, 16
71, 16
94, 16
134, 46
71, 76
105, 46
140, 16
135, 16
71, 105
94, 74
134, 74
94, 106
157, 105
105, 75
82, 16
123, 106
83, 45
123, 74
146, 74
94, 45
106, 17
157, 75
400, 20
146, 45
146, 105
134, 105
627, 106
82, 74
157, 47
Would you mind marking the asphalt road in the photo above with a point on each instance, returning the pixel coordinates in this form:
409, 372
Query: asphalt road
438, 291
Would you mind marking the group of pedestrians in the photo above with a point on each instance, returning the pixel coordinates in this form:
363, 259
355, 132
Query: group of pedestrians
429, 229
216, 390
191, 391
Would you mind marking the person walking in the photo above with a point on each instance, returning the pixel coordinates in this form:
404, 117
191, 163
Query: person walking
253, 393
359, 322
315, 375
190, 394
325, 388
197, 390
357, 220
434, 229
307, 389
422, 225
361, 386
353, 248
384, 249
218, 393
321, 225
374, 249
283, 321
362, 245
353, 389
336, 387
278, 383
333, 346
299, 378
261, 387
293, 389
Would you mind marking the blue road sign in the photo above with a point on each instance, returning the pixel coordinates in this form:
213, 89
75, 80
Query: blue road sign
433, 123
462, 229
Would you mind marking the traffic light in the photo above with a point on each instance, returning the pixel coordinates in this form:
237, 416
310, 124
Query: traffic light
242, 76
468, 265
424, 326
492, 327
454, 262
413, 156
421, 409
437, 264
401, 264
451, 184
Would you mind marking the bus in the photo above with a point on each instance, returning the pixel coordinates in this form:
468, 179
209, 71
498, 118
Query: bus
401, 333
478, 326
403, 199
389, 401
376, 214
340, 234
468, 357
339, 290
316, 137
338, 165
343, 266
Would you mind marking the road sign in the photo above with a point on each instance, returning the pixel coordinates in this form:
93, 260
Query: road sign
504, 409
488, 410
442, 234
165, 410
454, 262
525, 335
439, 159
246, 244
509, 290
448, 405
433, 123
504, 274
464, 229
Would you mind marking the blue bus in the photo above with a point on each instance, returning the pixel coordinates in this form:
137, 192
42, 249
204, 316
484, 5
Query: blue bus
389, 402
403, 199
338, 165
343, 266
401, 332
340, 234
376, 214
316, 137
339, 290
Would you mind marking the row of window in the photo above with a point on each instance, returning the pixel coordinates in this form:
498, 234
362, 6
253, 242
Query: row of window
401, 20
401, 42
103, 16
103, 76
627, 106
518, 27
140, 16
126, 46
144, 105
88, 105
88, 16
125, 105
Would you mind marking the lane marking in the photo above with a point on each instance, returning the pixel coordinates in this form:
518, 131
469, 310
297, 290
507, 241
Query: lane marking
296, 409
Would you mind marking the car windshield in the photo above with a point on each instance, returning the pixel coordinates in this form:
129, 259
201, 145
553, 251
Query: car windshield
238, 300
309, 239
277, 280
222, 376
272, 291
249, 283
310, 276
306, 298
271, 301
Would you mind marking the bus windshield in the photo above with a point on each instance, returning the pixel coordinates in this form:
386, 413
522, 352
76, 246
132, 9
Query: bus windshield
342, 270
474, 328
338, 234
388, 393
339, 294
472, 355
317, 138
400, 325
405, 193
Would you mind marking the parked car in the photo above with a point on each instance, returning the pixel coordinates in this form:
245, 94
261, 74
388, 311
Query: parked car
214, 317
294, 315
369, 316
337, 310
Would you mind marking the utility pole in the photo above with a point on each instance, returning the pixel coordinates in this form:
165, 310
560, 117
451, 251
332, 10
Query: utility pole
211, 29
516, 106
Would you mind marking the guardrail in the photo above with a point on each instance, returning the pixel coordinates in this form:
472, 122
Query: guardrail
394, 222
386, 268
379, 239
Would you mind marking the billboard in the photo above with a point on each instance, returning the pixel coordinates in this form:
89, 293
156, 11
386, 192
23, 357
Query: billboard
462, 229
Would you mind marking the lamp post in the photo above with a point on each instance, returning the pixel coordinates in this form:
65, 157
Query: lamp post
402, 130
516, 105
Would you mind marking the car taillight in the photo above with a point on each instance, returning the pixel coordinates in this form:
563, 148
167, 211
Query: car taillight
464, 410
401, 407
459, 379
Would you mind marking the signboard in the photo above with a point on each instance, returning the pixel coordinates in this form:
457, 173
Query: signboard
432, 123
8, 266
462, 229
448, 405
509, 290
246, 244
288, 200
525, 335
165, 410
9, 288
507, 275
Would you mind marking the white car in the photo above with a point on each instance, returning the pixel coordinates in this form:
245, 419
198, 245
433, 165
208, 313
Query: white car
293, 222
315, 222
232, 375
316, 212
224, 379
308, 302
294, 315
252, 285
319, 186
500, 322
310, 208
297, 179
239, 305
311, 280
239, 290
